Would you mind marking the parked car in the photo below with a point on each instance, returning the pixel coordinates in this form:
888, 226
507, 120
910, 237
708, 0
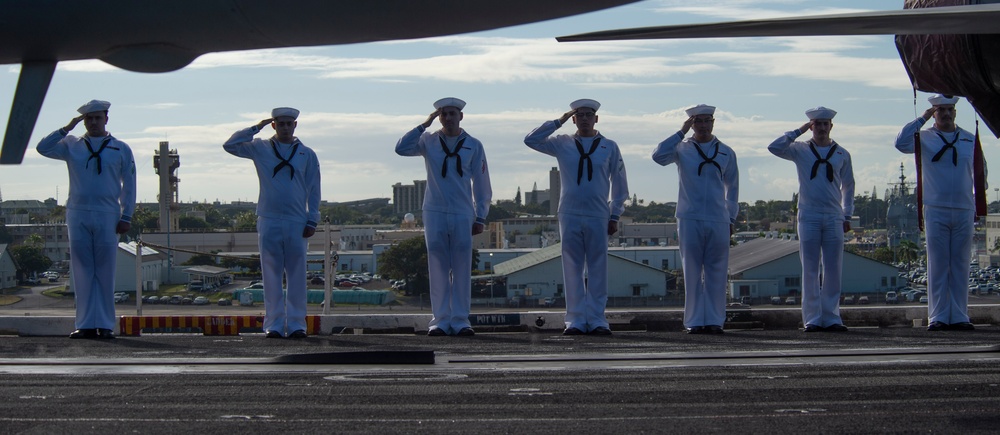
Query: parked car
746, 300
173, 300
923, 299
187, 301
863, 300
256, 285
153, 299
317, 280
790, 300
775, 300
225, 302
200, 300
848, 300
121, 297
891, 297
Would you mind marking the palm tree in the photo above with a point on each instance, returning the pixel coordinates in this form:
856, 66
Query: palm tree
908, 252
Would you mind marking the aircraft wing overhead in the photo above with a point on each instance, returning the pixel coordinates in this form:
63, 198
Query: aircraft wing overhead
162, 36
972, 19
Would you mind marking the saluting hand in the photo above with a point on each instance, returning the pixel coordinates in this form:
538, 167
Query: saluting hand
929, 113
430, 118
805, 127
566, 116
72, 123
687, 125
261, 124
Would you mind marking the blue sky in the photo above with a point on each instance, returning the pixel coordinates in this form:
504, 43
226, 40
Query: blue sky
357, 100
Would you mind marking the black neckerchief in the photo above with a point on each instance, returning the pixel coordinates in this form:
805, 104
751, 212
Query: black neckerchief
707, 159
96, 154
954, 151
820, 160
447, 154
585, 157
284, 161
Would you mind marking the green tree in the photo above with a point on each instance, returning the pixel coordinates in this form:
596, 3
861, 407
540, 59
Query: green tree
883, 254
201, 260
246, 221
193, 223
30, 259
407, 260
909, 251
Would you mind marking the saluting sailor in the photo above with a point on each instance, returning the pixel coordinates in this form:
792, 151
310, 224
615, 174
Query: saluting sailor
456, 203
707, 206
287, 214
826, 202
951, 177
100, 206
590, 168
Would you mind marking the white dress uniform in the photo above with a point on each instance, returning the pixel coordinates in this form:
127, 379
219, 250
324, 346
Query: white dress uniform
458, 194
826, 200
590, 168
101, 194
289, 180
707, 204
949, 215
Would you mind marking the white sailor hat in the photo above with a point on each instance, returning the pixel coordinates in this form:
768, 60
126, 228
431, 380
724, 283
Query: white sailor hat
94, 106
820, 113
449, 102
942, 100
585, 102
284, 111
700, 109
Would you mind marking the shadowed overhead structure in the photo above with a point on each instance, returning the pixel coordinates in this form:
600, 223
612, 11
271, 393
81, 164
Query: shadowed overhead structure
947, 46
162, 36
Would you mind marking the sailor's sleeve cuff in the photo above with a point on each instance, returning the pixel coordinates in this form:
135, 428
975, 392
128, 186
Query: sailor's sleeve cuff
732, 222
311, 224
126, 219
481, 221
63, 131
615, 217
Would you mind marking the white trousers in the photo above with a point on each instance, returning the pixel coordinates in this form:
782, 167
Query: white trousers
449, 264
283, 254
949, 250
705, 259
821, 246
93, 247
585, 270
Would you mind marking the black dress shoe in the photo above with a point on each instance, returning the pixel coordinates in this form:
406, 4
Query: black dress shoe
273, 334
436, 332
812, 328
105, 334
466, 332
937, 326
697, 330
713, 329
836, 328
962, 326
298, 333
84, 333
573, 331
600, 330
